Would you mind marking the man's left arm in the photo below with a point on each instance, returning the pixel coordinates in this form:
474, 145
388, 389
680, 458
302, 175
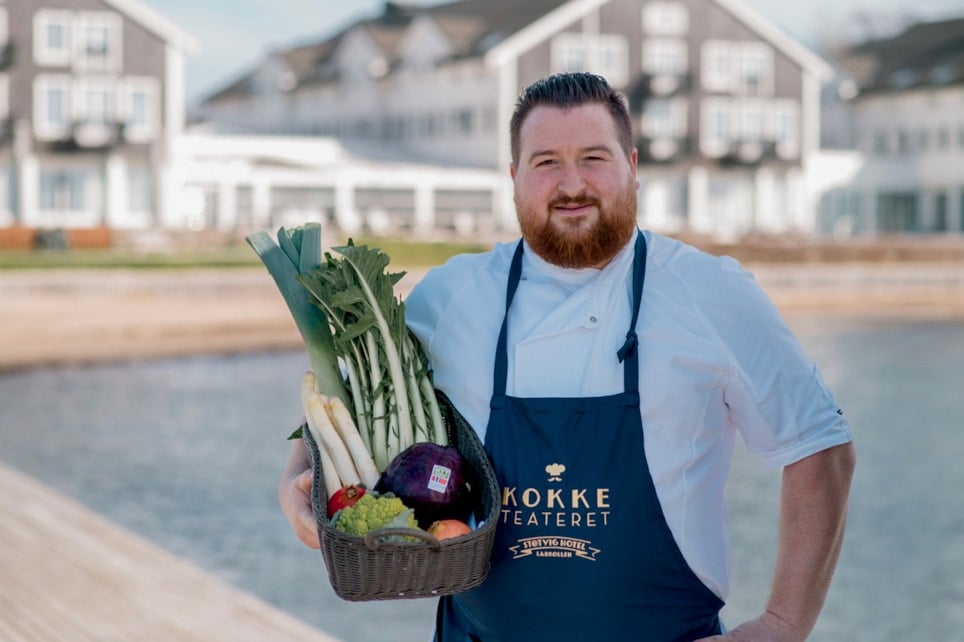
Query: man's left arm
813, 511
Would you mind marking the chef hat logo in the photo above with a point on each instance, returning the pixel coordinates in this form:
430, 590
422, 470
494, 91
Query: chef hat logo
555, 471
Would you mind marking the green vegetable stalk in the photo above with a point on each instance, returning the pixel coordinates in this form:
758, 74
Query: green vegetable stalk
354, 328
298, 252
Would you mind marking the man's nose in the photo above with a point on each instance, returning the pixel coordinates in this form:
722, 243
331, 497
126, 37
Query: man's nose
571, 181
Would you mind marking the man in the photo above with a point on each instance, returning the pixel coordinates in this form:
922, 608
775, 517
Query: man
607, 371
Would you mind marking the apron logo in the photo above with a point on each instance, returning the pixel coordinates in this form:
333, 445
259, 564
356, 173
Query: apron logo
555, 472
564, 547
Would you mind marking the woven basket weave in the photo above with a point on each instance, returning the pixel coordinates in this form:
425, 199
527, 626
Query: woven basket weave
379, 567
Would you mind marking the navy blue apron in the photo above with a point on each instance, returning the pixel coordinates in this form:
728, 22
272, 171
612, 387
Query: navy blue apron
582, 550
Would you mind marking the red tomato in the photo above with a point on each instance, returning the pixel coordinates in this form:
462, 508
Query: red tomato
344, 496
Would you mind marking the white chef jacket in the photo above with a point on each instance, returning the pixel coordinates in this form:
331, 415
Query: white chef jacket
715, 358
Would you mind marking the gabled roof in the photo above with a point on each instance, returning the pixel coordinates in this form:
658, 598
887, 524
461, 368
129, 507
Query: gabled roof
156, 23
927, 54
496, 31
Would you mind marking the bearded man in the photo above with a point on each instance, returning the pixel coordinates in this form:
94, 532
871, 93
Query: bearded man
608, 371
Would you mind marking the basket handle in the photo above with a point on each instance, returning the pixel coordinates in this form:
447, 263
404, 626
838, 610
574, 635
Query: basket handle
373, 539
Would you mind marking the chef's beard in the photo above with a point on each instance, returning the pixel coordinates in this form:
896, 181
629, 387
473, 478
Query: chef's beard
564, 243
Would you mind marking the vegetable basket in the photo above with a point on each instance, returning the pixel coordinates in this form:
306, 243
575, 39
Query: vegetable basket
380, 566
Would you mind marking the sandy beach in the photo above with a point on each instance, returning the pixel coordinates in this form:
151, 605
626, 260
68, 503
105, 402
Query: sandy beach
54, 317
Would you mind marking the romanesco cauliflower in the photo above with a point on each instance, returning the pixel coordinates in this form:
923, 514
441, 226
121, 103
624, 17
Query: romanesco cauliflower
371, 513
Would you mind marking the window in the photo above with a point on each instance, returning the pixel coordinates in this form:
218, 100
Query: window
569, 53
63, 190
923, 140
755, 69
607, 55
612, 59
752, 121
940, 213
897, 212
716, 127
95, 102
664, 118
744, 67
52, 37
903, 142
786, 128
140, 189
717, 66
98, 41
881, 142
51, 98
666, 18
139, 109
662, 56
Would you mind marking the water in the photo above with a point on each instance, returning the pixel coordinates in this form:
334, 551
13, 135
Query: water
188, 452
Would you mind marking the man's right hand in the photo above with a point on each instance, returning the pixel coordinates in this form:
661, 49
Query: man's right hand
294, 494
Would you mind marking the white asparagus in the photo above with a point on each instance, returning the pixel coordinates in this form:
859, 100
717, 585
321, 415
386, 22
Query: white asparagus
324, 432
332, 483
360, 455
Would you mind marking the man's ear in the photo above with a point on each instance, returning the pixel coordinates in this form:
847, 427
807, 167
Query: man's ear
512, 170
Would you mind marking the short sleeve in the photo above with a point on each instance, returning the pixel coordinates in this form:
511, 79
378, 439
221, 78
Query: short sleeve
775, 395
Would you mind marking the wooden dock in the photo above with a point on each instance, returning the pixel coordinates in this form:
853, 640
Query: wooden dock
67, 574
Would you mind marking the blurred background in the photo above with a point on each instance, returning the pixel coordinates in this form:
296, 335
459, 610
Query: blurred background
149, 369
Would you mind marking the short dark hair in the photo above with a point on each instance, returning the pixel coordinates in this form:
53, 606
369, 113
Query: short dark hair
567, 90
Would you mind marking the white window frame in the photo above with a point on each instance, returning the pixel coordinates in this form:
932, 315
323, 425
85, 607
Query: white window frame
666, 18
665, 56
714, 143
753, 123
785, 124
43, 54
150, 88
112, 25
79, 205
569, 52
44, 128
134, 175
103, 114
603, 54
716, 65
665, 118
755, 56
611, 58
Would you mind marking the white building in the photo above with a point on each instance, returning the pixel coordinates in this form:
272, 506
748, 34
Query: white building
909, 112
91, 96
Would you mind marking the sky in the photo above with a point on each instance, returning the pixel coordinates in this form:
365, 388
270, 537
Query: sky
234, 34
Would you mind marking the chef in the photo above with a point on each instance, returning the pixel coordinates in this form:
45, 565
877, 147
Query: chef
608, 371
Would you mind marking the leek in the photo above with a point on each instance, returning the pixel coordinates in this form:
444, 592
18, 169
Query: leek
294, 254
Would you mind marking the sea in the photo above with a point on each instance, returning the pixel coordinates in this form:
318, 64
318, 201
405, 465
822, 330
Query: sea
188, 451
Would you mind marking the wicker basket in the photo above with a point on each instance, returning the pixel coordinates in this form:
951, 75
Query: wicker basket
377, 568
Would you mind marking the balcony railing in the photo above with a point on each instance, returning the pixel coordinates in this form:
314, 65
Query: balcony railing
653, 150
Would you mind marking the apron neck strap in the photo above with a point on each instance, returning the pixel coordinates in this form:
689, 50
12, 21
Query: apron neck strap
501, 351
628, 354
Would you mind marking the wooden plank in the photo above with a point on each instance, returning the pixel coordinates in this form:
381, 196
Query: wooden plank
69, 574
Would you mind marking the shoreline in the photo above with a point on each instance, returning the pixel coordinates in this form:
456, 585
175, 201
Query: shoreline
53, 318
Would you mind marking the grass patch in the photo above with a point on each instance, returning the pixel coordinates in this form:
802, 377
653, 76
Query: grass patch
404, 253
